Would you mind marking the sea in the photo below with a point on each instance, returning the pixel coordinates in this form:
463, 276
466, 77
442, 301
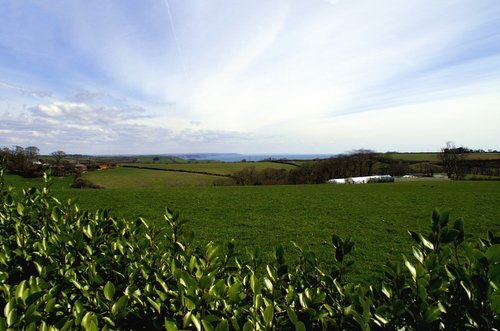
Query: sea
237, 157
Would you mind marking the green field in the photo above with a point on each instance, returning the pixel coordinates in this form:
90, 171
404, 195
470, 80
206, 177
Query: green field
222, 168
375, 216
123, 177
161, 159
131, 178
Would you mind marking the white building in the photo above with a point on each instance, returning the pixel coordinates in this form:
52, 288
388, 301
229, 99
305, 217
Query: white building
362, 180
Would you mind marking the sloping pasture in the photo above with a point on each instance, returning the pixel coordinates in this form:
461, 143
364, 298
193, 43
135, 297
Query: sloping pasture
174, 175
131, 178
221, 168
376, 216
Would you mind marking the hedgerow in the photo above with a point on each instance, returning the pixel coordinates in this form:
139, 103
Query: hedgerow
64, 268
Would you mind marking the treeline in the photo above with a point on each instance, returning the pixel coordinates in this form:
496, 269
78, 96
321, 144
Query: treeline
28, 162
455, 162
22, 161
359, 163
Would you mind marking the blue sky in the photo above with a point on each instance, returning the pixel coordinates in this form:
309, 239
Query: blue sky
315, 76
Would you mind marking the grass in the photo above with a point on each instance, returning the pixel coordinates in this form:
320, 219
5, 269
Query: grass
222, 168
423, 157
131, 178
135, 178
162, 159
376, 216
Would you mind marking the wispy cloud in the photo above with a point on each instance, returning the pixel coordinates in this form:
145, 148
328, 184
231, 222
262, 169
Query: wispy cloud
24, 91
281, 76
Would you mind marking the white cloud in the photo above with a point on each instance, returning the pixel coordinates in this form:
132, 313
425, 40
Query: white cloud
247, 76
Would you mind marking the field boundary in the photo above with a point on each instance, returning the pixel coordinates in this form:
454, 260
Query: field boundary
182, 170
285, 162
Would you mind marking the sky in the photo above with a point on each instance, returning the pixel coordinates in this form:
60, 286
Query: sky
252, 77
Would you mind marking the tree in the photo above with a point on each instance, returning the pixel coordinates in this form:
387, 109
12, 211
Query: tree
21, 160
32, 153
453, 160
58, 156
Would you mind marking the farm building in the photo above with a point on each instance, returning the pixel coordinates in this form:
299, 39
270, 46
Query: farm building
362, 180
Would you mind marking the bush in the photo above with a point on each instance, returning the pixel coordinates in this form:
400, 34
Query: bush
67, 268
381, 179
84, 183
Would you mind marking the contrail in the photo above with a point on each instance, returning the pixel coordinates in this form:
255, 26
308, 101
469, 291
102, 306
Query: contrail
174, 34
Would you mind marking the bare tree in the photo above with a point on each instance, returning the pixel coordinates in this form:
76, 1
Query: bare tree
58, 156
32, 153
452, 158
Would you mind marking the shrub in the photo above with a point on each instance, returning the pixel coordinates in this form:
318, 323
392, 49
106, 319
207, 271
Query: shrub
381, 179
84, 183
67, 268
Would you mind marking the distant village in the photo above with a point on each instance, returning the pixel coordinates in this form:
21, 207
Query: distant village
28, 162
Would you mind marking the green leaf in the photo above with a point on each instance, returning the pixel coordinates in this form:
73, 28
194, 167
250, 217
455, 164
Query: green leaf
132, 290
412, 269
495, 272
459, 226
155, 305
222, 326
449, 235
109, 291
196, 322
254, 283
20, 288
207, 325
248, 326
432, 314
11, 305
444, 217
205, 282
186, 279
418, 254
56, 214
292, 315
493, 253
34, 297
170, 325
109, 321
467, 290
89, 322
234, 292
119, 305
415, 236
49, 306
426, 242
268, 283
303, 301
258, 301
212, 252
495, 301
381, 319
186, 320
20, 209
11, 317
336, 240
435, 217
40, 268
269, 315
300, 326
387, 291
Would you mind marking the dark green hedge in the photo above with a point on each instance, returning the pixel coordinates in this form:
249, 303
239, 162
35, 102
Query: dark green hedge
66, 268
